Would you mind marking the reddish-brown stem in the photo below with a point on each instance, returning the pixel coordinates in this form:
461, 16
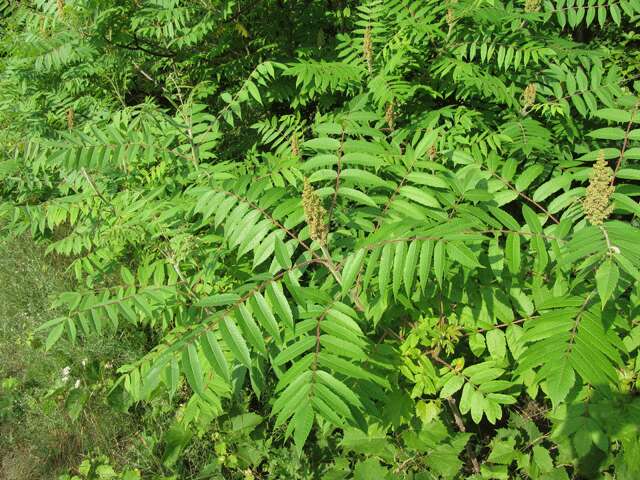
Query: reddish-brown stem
625, 143
334, 200
527, 198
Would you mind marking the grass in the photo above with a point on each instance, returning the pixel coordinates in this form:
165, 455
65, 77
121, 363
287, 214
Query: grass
43, 433
47, 426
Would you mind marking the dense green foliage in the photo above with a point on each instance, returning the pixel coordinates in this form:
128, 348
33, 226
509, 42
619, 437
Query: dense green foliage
388, 239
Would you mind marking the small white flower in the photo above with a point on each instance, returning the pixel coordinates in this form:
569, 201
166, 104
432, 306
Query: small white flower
84, 362
77, 384
65, 374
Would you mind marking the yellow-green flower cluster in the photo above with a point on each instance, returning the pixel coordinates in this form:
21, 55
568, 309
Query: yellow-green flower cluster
451, 17
70, 118
389, 115
532, 6
529, 95
596, 204
315, 214
432, 152
367, 49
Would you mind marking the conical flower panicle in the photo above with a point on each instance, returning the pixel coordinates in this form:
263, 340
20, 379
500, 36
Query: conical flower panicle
315, 214
529, 95
295, 145
367, 49
70, 118
596, 204
389, 115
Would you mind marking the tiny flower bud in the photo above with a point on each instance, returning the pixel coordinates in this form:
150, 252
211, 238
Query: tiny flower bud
65, 374
432, 152
451, 18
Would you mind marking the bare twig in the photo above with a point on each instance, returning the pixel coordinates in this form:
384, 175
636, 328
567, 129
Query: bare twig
457, 417
625, 143
526, 197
